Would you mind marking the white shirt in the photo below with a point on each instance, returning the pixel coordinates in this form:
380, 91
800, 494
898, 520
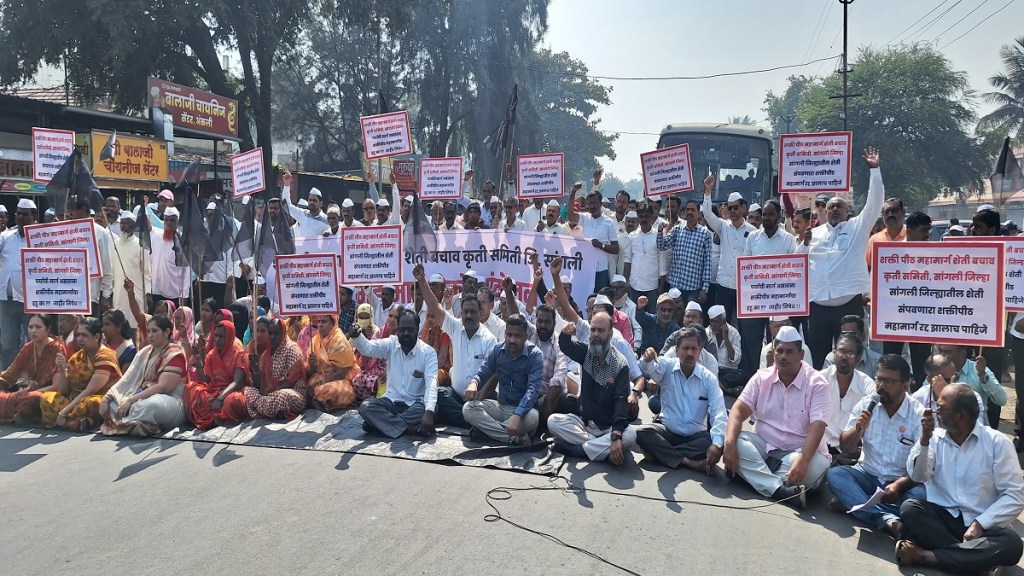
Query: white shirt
403, 384
355, 224
733, 242
687, 403
11, 243
644, 260
519, 226
168, 280
532, 215
132, 256
888, 440
394, 201
760, 244
628, 307
558, 228
601, 229
838, 269
306, 225
496, 326
980, 479
617, 262
732, 337
218, 272
103, 286
860, 387
468, 354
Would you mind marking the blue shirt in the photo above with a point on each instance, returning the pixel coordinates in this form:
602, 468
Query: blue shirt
518, 378
690, 268
687, 403
653, 335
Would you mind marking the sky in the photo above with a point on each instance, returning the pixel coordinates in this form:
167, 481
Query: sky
690, 38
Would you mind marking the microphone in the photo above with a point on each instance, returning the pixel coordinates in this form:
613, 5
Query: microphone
874, 402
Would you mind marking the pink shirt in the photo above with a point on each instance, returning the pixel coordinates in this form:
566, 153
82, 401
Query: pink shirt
784, 413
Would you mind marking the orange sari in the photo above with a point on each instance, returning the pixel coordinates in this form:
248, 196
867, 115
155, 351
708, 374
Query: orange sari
219, 366
332, 354
30, 366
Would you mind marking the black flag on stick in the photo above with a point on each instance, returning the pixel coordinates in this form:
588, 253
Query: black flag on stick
193, 247
1006, 177
109, 149
418, 235
72, 181
497, 140
275, 236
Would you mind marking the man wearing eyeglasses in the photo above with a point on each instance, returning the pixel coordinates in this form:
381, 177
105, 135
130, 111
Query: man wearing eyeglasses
733, 240
838, 272
847, 387
975, 491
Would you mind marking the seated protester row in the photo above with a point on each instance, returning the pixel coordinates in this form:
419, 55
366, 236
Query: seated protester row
785, 455
73, 400
887, 425
147, 400
515, 368
976, 374
847, 386
941, 372
972, 477
371, 382
690, 398
31, 370
601, 429
471, 343
216, 398
411, 397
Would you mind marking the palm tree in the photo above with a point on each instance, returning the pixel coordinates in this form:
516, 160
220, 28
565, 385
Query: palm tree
1008, 118
746, 119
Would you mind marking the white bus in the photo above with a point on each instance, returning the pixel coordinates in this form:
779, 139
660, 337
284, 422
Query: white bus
739, 155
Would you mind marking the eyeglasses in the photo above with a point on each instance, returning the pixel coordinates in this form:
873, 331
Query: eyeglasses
891, 210
888, 381
845, 353
732, 206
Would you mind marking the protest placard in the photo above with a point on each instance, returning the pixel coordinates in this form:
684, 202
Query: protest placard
68, 234
1013, 268
371, 255
667, 171
386, 135
540, 175
55, 281
405, 174
50, 149
772, 286
440, 179
818, 162
247, 175
938, 292
494, 254
307, 284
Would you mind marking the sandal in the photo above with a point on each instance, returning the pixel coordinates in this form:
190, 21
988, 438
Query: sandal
901, 546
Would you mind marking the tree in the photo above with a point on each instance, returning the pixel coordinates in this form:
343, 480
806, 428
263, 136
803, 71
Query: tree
111, 47
916, 109
745, 120
1008, 118
781, 110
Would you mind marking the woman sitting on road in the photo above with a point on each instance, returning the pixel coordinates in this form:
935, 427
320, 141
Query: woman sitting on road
32, 369
332, 363
281, 375
216, 398
372, 380
147, 399
118, 334
73, 400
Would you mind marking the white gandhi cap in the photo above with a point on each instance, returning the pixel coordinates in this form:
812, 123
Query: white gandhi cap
788, 334
716, 311
735, 197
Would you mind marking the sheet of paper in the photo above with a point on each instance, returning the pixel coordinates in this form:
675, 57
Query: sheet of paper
876, 498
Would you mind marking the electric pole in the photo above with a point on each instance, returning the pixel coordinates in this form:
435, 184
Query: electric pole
788, 119
846, 65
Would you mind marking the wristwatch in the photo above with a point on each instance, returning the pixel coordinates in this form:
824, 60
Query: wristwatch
616, 436
638, 392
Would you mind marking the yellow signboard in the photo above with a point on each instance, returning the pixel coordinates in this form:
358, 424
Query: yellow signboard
135, 157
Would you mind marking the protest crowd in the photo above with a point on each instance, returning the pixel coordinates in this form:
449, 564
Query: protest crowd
905, 434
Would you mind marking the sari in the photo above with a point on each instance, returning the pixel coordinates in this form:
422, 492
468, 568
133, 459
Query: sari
32, 367
125, 352
157, 413
372, 380
283, 391
81, 369
437, 339
219, 366
218, 317
332, 354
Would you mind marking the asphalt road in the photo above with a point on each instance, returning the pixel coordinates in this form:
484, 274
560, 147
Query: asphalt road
88, 505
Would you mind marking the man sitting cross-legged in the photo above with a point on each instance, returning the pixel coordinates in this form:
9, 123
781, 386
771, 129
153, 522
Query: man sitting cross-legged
785, 455
690, 396
889, 427
515, 367
975, 491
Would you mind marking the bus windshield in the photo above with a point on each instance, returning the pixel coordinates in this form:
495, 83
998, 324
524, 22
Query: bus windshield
740, 163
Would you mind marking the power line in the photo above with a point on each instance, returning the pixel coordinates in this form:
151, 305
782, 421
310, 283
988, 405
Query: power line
934, 20
623, 78
978, 24
976, 8
836, 37
916, 22
819, 27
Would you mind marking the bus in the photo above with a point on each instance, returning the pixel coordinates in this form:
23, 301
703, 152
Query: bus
740, 156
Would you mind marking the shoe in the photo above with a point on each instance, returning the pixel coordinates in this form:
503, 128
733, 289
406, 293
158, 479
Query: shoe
835, 506
569, 449
521, 440
795, 496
